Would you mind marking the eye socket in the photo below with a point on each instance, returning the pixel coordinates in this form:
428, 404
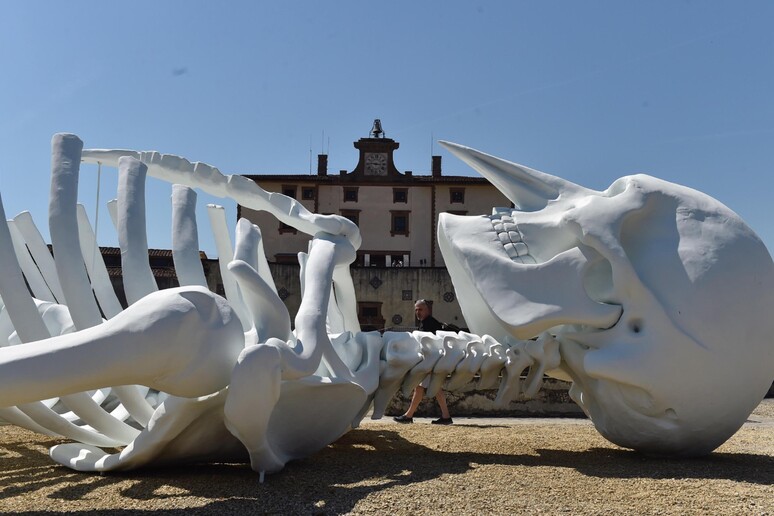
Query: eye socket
635, 325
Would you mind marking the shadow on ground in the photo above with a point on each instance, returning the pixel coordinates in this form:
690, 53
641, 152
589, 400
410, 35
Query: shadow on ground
331, 481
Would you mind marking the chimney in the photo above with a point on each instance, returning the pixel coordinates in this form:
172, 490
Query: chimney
322, 164
436, 166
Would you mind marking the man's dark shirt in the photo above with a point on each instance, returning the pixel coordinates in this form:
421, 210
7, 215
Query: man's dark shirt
430, 324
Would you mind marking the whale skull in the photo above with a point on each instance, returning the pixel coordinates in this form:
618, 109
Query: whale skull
660, 296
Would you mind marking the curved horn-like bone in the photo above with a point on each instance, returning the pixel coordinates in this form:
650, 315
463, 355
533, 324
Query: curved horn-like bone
528, 189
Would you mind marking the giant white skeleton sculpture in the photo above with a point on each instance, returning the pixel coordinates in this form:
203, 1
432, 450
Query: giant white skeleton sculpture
655, 300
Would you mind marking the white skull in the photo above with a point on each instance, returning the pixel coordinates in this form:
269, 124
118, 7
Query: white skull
661, 297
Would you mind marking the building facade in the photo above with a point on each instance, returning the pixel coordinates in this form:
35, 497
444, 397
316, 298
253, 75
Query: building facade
397, 213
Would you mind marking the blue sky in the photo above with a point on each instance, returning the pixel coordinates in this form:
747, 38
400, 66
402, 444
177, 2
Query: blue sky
590, 91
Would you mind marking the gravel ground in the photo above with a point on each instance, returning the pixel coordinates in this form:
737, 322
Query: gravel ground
475, 466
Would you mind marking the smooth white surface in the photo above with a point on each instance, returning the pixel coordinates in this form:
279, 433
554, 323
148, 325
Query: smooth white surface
652, 298
185, 237
660, 298
132, 239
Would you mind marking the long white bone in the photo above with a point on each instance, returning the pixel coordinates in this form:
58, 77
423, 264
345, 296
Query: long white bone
40, 252
133, 401
29, 269
132, 237
95, 266
209, 341
270, 316
71, 269
177, 170
220, 231
30, 327
185, 237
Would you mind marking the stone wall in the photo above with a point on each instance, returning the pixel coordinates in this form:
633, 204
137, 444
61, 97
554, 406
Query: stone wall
552, 400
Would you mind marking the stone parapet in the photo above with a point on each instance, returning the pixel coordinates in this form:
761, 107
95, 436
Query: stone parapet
553, 400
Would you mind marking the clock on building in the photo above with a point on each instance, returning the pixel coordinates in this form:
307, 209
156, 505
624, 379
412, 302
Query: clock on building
376, 163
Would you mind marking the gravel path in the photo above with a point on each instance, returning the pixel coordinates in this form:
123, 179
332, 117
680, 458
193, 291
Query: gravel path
475, 466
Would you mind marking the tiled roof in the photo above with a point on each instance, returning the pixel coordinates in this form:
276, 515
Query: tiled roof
158, 272
152, 253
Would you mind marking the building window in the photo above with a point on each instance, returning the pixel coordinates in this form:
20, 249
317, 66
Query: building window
284, 228
289, 190
377, 260
400, 195
308, 193
353, 215
350, 194
457, 195
369, 314
457, 212
400, 223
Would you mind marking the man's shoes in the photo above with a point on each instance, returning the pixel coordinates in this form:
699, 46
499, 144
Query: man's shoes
442, 421
404, 419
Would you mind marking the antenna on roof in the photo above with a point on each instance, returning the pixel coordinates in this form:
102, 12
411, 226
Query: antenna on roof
310, 154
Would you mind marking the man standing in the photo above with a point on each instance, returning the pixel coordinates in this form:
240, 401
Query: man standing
424, 313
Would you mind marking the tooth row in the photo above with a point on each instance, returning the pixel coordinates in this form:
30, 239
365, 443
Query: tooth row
508, 232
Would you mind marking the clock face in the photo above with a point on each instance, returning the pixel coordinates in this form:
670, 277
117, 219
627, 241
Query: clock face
376, 163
